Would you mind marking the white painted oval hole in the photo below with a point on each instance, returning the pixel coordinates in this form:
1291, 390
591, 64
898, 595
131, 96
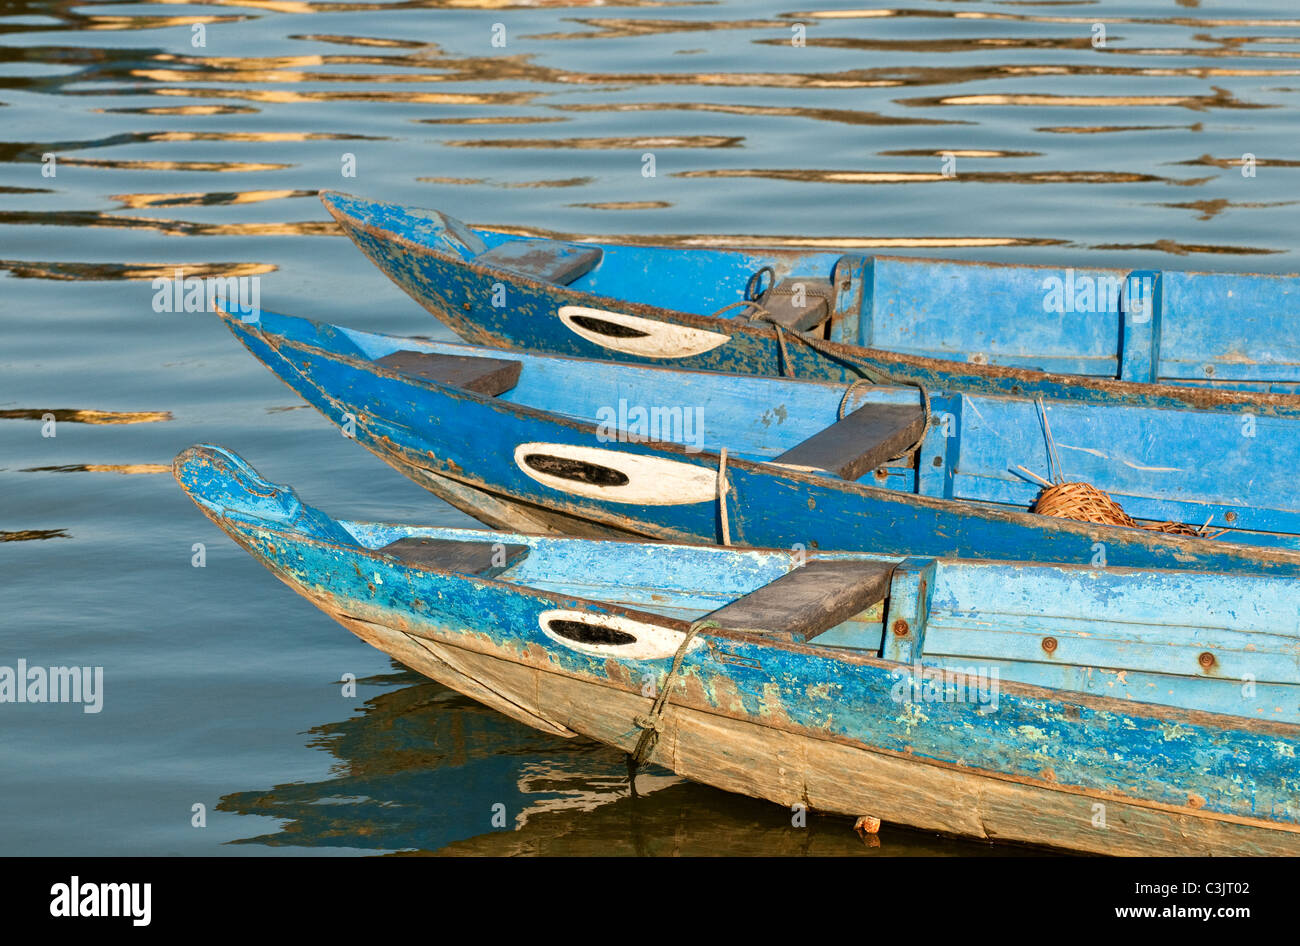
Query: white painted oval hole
616, 477
633, 335
609, 635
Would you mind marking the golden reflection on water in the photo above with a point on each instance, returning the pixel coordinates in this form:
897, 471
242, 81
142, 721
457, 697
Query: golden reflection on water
124, 468
603, 144
90, 218
786, 240
144, 165
98, 272
842, 115
624, 205
966, 177
397, 70
76, 416
486, 182
33, 535
1209, 209
1220, 99
206, 198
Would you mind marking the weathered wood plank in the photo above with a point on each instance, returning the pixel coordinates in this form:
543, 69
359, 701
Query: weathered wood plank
861, 441
544, 260
490, 376
484, 559
809, 600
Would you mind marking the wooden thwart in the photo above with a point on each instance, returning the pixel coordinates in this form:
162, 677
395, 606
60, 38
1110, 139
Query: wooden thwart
490, 376
544, 260
861, 441
484, 559
809, 600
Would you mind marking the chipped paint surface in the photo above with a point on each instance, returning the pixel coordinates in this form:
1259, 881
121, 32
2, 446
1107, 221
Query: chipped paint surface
1192, 764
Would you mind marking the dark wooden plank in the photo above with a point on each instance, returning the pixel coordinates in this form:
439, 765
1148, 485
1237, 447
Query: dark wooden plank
809, 600
546, 260
490, 376
781, 303
485, 559
860, 442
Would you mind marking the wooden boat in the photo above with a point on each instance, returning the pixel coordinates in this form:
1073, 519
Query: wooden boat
544, 442
1093, 709
1141, 337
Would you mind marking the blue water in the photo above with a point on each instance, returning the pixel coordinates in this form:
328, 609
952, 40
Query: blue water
223, 689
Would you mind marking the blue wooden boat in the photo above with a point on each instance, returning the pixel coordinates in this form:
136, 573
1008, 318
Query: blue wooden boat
1139, 337
1092, 709
541, 442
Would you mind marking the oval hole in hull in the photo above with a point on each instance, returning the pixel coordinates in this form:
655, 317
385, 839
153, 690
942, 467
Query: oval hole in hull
584, 633
604, 327
579, 471
612, 635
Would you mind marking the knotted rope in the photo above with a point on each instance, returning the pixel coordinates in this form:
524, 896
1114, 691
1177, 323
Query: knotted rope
652, 725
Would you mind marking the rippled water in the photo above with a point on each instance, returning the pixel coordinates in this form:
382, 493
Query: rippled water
221, 687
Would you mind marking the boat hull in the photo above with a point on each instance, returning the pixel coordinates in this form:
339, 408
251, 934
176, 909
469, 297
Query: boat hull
471, 455
792, 767
828, 728
491, 306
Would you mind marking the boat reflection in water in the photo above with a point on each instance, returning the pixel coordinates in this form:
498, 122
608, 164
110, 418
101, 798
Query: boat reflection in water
421, 768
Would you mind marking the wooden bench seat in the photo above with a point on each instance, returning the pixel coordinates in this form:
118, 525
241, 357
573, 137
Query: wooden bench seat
543, 260
860, 442
489, 376
484, 559
809, 600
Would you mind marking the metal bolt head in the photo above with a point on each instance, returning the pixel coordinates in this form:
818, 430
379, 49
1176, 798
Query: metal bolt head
1049, 644
1206, 660
900, 628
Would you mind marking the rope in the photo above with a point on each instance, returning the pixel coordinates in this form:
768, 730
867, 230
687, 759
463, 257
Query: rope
759, 314
844, 401
755, 283
722, 496
652, 725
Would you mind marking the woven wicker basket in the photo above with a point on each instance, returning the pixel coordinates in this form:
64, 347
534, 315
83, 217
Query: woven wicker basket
1086, 503
1081, 501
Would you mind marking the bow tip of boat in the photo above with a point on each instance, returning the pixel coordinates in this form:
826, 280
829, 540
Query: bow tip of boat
342, 207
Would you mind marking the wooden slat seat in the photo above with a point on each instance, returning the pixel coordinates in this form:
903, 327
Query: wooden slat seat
809, 600
489, 376
860, 442
781, 302
544, 260
484, 559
